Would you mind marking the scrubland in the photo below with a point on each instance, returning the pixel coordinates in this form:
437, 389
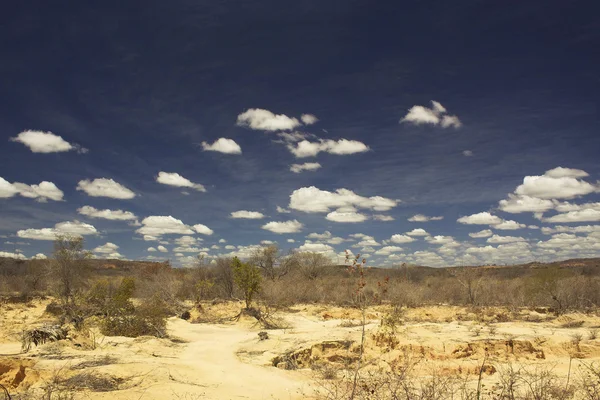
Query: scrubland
296, 330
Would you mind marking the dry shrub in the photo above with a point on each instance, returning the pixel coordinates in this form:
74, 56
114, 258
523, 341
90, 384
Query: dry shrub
149, 318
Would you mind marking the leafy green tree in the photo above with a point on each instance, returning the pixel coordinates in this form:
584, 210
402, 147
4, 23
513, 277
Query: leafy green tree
247, 277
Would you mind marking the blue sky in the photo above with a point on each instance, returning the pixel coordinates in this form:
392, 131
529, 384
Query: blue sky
388, 110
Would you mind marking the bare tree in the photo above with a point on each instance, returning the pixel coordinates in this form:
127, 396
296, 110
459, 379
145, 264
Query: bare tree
470, 279
69, 267
272, 262
311, 265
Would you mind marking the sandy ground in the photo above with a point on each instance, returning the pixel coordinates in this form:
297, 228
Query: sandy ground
228, 361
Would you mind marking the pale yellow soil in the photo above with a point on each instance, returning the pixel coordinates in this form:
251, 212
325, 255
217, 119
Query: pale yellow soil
225, 359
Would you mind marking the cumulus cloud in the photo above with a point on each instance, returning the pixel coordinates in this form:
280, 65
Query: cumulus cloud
18, 256
346, 216
43, 192
319, 236
203, 229
467, 153
297, 168
174, 179
517, 204
223, 145
387, 250
309, 119
384, 218
316, 248
505, 239
310, 199
162, 249
107, 248
338, 147
74, 228
46, 142
283, 210
436, 115
418, 232
265, 120
39, 256
560, 172
243, 214
157, 225
399, 239
482, 218
151, 249
557, 183
424, 218
566, 207
571, 229
187, 240
292, 226
481, 234
509, 225
585, 215
441, 240
103, 187
115, 215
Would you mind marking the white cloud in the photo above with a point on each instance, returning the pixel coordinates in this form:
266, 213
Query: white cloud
151, 249
103, 187
566, 207
509, 225
267, 242
518, 204
74, 228
424, 218
385, 218
309, 119
223, 145
12, 255
337, 147
397, 238
311, 199
190, 249
481, 234
174, 179
231, 247
106, 248
551, 187
115, 215
186, 240
265, 120
39, 256
297, 168
442, 240
435, 115
287, 137
481, 250
505, 239
467, 153
417, 232
482, 218
222, 241
387, 250
157, 225
560, 172
346, 216
450, 121
45, 142
162, 249
571, 229
43, 192
367, 241
319, 236
586, 215
243, 214
203, 229
283, 210
292, 226
316, 248
428, 258
291, 241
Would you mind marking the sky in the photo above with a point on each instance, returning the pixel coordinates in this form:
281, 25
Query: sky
427, 132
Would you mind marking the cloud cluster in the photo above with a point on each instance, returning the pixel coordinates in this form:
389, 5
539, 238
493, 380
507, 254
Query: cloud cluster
292, 226
43, 192
174, 179
436, 115
108, 250
265, 120
424, 218
314, 200
158, 225
74, 228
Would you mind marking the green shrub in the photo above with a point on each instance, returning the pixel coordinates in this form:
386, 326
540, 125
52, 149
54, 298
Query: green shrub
247, 277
